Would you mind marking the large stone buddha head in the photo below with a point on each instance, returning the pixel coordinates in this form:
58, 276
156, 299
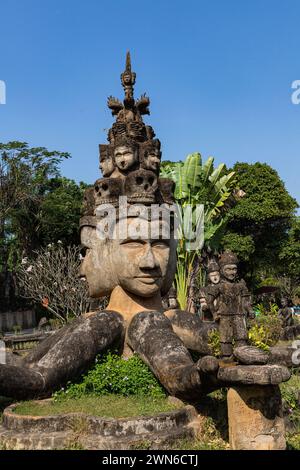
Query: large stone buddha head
137, 258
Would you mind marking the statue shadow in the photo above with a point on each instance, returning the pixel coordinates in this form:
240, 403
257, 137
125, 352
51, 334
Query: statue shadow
214, 406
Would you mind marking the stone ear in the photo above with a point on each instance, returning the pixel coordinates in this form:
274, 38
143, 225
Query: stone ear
109, 279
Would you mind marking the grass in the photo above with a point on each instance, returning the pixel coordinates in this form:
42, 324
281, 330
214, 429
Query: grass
108, 406
209, 438
290, 391
293, 441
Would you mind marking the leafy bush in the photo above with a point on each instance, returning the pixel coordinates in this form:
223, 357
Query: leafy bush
214, 342
113, 375
265, 330
257, 337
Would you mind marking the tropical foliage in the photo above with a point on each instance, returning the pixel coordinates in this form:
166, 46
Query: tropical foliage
199, 183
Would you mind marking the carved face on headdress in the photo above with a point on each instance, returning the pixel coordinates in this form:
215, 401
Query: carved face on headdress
125, 156
152, 159
106, 161
106, 165
140, 266
151, 156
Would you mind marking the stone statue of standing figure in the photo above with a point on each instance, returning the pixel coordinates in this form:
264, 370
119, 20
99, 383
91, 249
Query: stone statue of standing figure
230, 302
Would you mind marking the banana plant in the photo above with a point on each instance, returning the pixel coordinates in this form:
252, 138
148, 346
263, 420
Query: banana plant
198, 182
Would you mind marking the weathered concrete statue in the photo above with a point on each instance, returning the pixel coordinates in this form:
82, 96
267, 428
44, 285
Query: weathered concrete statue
230, 301
131, 256
286, 312
209, 312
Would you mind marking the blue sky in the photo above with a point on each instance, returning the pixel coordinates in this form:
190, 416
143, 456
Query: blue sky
218, 72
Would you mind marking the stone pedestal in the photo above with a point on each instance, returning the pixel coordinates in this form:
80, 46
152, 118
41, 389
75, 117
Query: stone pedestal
255, 418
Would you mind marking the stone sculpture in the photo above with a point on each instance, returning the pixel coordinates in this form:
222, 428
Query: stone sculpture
135, 272
213, 273
286, 313
230, 301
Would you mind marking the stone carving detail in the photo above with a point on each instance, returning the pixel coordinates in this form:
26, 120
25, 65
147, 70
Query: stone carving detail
141, 186
106, 160
107, 191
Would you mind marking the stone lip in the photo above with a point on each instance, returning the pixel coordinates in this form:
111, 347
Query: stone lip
96, 424
94, 432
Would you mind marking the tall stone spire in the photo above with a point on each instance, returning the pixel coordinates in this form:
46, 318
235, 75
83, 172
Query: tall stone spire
130, 162
128, 80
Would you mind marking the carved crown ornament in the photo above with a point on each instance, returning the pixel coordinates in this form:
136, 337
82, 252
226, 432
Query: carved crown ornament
130, 161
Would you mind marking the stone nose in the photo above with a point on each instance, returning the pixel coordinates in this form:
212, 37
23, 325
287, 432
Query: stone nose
148, 260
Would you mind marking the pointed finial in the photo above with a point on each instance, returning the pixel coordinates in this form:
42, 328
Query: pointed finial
128, 62
128, 80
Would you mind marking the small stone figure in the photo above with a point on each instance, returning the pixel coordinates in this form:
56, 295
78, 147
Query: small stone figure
213, 272
170, 301
286, 312
232, 297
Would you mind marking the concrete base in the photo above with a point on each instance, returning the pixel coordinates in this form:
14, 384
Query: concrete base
77, 430
255, 418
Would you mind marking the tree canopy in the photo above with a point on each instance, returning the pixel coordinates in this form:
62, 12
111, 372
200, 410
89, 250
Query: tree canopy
259, 224
37, 206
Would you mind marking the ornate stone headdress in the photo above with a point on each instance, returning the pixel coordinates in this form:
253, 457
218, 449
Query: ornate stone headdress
213, 267
130, 162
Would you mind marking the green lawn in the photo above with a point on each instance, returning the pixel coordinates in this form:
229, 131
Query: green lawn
109, 406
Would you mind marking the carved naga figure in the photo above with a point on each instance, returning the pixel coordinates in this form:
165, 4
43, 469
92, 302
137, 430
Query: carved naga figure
135, 272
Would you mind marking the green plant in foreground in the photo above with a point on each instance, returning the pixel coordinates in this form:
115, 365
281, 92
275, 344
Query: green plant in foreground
113, 375
290, 396
257, 335
265, 330
214, 342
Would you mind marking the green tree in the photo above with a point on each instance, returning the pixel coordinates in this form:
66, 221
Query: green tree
60, 212
37, 206
289, 255
259, 224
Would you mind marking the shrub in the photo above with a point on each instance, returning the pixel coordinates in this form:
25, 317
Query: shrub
214, 342
113, 375
265, 330
290, 397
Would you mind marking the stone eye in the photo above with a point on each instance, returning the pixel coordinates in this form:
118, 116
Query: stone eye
139, 180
